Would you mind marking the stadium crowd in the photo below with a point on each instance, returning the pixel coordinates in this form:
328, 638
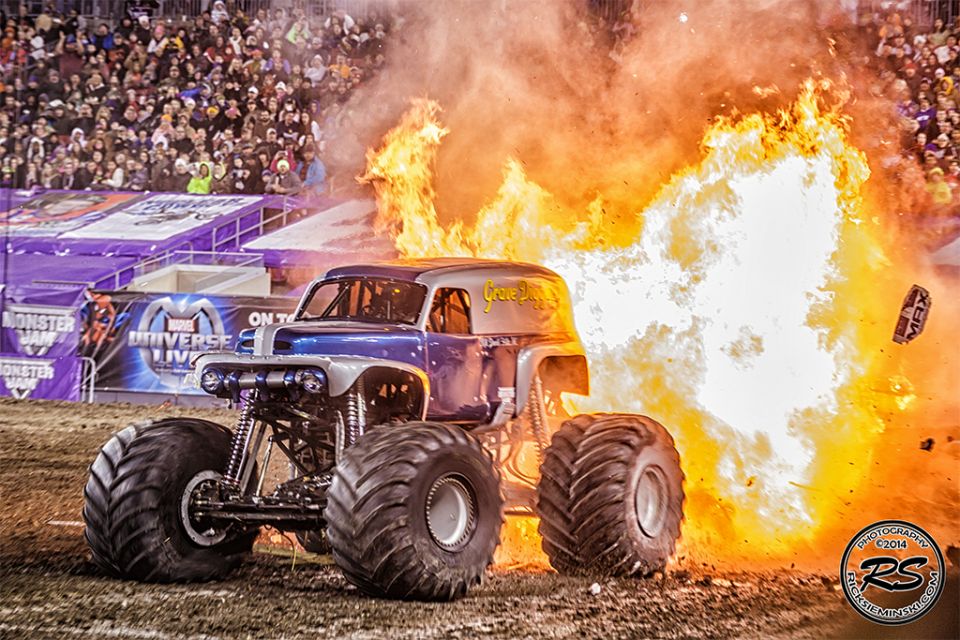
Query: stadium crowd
219, 103
921, 70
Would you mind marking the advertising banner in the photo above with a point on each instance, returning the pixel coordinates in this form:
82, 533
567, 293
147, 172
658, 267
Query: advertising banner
161, 216
38, 347
146, 343
39, 330
341, 233
54, 213
40, 378
105, 223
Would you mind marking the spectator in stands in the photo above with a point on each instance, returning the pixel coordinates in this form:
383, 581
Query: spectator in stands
938, 188
221, 181
285, 182
200, 183
311, 171
135, 105
181, 177
922, 69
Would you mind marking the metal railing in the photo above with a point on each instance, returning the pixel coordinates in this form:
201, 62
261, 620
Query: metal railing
222, 253
231, 259
88, 379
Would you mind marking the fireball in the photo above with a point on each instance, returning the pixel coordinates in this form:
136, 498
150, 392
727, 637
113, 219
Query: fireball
738, 313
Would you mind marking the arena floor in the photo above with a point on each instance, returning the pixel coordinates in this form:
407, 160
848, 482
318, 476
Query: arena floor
49, 589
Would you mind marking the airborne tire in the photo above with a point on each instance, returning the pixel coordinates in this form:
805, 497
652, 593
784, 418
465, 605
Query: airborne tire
132, 503
553, 496
414, 512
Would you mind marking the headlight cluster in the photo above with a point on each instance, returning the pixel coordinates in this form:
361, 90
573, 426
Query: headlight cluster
216, 381
212, 381
313, 381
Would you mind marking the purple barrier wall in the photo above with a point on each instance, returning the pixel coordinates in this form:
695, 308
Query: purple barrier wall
39, 337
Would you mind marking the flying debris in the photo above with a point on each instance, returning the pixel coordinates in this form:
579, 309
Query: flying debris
913, 315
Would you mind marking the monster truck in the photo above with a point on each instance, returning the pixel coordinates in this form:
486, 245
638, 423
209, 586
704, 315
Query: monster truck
416, 403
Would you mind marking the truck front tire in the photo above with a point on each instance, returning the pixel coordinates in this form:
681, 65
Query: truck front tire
414, 512
137, 522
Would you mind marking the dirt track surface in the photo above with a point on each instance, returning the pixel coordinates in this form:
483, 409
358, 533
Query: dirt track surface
48, 588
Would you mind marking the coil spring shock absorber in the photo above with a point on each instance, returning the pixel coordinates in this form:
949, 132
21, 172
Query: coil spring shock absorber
241, 440
538, 415
356, 414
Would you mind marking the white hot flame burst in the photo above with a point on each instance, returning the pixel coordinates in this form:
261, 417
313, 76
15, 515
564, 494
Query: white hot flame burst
731, 313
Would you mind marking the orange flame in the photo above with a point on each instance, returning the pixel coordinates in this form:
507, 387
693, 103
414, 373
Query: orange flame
734, 313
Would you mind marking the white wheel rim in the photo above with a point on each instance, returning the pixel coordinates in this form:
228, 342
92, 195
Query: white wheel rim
450, 512
206, 538
651, 500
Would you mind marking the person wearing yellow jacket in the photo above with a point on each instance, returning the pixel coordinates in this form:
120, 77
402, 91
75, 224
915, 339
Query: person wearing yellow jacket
200, 183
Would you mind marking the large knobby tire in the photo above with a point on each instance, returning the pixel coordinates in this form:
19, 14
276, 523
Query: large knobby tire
553, 496
132, 503
415, 511
626, 496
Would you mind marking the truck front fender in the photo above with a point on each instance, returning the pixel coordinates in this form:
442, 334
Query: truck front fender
342, 371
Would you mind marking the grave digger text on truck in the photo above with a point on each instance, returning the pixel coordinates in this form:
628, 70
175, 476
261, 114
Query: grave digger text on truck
403, 396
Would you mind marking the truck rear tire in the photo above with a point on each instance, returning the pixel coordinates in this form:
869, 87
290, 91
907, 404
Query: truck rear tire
626, 495
414, 512
553, 496
137, 523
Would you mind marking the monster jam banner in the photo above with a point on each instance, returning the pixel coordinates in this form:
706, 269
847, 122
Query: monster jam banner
39, 330
39, 378
145, 343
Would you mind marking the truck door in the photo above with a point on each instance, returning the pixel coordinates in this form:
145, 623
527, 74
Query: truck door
454, 360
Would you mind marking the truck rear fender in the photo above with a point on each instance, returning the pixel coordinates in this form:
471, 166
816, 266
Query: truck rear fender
562, 367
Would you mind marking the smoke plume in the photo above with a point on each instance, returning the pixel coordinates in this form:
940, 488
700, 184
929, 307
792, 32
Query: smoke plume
539, 83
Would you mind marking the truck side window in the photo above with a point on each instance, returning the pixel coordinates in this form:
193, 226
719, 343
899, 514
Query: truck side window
450, 312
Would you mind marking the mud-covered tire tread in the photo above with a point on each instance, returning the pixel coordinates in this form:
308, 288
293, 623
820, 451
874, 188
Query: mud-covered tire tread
368, 527
553, 496
597, 492
124, 502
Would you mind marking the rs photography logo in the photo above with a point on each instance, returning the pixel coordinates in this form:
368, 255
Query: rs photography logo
892, 572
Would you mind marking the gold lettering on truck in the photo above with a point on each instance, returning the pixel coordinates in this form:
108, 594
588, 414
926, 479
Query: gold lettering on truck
525, 292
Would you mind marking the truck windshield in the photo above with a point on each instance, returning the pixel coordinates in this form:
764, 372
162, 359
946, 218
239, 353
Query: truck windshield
365, 300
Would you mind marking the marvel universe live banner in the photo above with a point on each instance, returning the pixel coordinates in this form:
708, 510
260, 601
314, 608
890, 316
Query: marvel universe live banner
146, 343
